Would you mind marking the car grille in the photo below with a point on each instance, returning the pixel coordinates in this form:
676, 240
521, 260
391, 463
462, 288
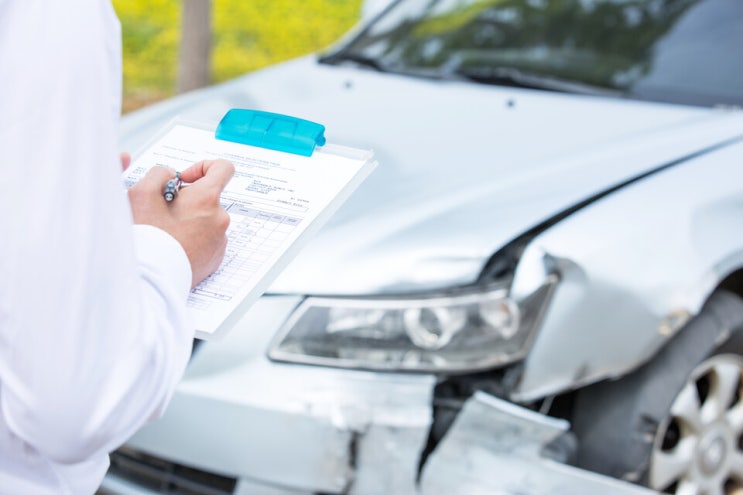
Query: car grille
161, 476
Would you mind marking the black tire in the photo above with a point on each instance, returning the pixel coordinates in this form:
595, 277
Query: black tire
621, 424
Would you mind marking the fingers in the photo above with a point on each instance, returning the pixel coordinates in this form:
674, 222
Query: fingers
155, 179
205, 179
212, 172
209, 173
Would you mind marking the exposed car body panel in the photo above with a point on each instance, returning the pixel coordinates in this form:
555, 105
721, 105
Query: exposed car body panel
696, 207
385, 241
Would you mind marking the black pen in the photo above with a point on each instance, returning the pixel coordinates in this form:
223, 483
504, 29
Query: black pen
172, 187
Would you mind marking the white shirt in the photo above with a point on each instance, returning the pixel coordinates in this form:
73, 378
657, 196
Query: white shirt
93, 322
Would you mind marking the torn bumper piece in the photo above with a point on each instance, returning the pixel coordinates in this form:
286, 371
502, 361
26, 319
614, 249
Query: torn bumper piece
497, 448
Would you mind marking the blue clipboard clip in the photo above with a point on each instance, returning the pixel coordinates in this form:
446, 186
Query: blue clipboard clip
271, 130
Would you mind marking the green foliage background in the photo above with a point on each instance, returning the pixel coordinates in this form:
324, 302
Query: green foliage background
246, 34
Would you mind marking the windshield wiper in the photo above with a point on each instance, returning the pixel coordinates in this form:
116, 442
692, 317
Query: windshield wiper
504, 76
341, 57
507, 76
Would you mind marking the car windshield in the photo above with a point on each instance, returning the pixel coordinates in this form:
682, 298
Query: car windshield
681, 51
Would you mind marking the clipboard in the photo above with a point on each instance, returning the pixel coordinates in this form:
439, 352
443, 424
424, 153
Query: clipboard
288, 182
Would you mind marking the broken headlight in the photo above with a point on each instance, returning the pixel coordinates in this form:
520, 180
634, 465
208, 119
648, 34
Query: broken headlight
464, 331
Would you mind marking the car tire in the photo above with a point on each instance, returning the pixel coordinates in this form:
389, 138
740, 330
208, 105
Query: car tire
675, 424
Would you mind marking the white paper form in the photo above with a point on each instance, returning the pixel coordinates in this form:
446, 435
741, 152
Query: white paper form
275, 200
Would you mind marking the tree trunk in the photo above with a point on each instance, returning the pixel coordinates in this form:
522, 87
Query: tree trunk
195, 51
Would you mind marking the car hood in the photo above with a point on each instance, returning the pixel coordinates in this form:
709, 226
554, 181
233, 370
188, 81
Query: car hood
463, 168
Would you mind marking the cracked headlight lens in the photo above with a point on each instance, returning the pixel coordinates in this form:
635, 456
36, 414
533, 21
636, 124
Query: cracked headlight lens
463, 331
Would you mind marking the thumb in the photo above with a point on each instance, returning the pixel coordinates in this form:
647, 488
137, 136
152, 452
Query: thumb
126, 160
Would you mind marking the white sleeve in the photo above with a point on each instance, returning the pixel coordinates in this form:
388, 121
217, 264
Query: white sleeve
94, 331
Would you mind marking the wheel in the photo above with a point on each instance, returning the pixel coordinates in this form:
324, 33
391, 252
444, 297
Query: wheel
697, 448
676, 423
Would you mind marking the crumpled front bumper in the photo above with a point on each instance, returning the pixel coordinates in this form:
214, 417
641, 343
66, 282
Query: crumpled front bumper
290, 429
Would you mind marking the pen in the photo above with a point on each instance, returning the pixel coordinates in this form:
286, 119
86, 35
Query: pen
172, 187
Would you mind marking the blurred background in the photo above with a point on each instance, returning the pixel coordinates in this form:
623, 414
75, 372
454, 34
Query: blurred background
242, 36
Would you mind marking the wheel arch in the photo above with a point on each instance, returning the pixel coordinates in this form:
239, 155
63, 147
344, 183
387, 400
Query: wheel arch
626, 414
733, 282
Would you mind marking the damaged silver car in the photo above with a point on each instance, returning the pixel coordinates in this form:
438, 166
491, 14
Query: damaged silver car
538, 291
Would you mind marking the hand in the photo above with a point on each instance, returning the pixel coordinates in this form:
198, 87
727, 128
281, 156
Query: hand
195, 218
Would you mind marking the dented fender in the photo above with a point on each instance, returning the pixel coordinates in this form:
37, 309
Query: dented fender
634, 266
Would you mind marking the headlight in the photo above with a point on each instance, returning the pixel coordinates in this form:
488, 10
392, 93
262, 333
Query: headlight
465, 331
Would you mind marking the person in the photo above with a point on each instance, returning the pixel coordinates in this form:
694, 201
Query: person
94, 326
